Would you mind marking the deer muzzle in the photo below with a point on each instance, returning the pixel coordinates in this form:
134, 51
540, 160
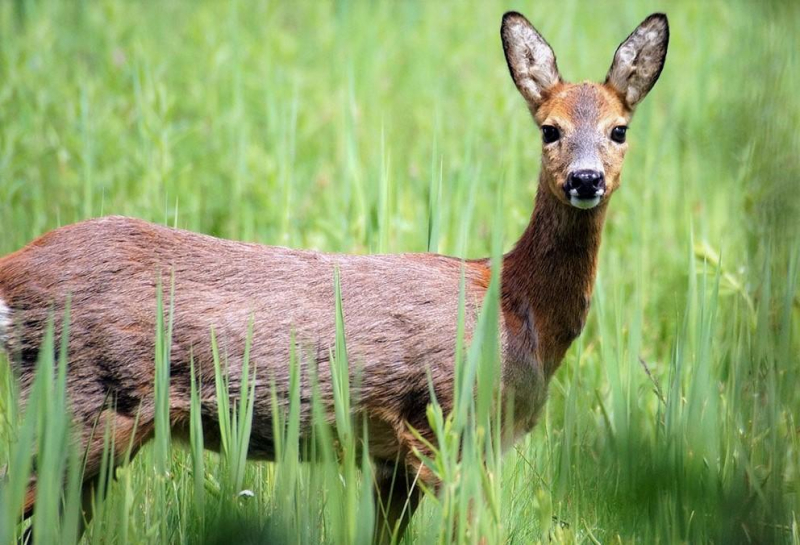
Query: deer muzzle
585, 188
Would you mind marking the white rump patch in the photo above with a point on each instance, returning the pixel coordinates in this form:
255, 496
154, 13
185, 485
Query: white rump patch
5, 322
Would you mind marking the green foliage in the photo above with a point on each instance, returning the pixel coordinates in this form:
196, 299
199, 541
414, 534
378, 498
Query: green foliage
363, 127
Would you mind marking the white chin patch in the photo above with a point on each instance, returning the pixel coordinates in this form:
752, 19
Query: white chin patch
5, 322
584, 204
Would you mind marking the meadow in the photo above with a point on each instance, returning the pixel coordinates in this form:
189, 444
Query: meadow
374, 127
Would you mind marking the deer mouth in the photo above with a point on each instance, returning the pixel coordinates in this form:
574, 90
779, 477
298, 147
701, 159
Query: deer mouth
583, 201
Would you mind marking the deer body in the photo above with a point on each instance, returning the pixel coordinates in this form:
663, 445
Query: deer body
401, 311
400, 316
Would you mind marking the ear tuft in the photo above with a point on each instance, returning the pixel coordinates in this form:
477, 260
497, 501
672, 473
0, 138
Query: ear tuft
639, 59
530, 58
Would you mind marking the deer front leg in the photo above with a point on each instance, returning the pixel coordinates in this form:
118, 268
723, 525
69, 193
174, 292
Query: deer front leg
398, 496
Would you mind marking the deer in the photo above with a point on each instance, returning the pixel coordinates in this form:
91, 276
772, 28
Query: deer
400, 310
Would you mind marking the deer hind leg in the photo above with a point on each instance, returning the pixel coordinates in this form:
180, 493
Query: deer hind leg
125, 436
30, 498
87, 498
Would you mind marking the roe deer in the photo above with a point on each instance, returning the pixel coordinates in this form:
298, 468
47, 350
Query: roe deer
401, 310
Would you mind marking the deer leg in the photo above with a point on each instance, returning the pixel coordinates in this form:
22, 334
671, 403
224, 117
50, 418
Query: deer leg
27, 511
397, 499
128, 434
87, 496
91, 494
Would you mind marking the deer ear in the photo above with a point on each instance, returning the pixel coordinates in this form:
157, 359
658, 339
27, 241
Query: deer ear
530, 58
639, 59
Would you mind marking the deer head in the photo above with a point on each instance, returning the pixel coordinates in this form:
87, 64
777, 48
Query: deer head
583, 125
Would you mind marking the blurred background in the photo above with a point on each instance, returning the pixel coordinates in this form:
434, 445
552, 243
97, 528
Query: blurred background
394, 127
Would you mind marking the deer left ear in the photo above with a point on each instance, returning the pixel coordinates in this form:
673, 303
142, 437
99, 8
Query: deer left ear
639, 59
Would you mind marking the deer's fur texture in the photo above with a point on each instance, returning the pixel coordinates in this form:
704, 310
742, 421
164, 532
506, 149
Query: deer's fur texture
400, 310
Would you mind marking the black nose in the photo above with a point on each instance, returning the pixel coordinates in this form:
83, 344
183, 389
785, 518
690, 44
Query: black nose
584, 184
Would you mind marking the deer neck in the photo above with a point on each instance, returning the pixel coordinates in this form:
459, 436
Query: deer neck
548, 277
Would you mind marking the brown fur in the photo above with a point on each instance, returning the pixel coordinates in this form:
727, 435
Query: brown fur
400, 310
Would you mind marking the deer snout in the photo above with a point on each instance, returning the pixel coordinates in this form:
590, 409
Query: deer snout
585, 184
585, 188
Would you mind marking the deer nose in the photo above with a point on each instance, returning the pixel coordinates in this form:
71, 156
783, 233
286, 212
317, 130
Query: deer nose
585, 184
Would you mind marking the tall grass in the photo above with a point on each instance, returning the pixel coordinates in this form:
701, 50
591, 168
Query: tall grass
359, 127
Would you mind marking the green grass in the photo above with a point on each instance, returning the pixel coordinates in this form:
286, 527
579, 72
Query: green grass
365, 127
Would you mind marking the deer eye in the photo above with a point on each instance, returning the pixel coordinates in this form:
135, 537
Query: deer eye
550, 134
618, 134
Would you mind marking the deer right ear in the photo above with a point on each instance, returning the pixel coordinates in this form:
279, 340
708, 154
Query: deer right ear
530, 58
